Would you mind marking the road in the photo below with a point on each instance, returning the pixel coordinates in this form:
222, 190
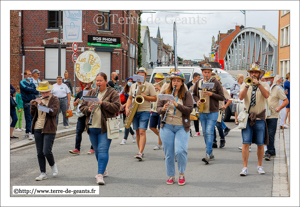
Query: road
147, 178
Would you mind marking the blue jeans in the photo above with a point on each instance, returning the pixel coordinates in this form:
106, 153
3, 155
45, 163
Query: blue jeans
63, 107
141, 120
221, 133
175, 143
14, 117
223, 125
257, 132
101, 146
208, 123
272, 127
79, 130
28, 117
44, 143
126, 133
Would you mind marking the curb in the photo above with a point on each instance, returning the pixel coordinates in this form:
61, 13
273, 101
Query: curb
26, 142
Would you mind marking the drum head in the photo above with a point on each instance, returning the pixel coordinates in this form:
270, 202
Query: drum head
87, 66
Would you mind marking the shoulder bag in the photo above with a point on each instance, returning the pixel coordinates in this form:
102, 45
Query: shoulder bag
113, 127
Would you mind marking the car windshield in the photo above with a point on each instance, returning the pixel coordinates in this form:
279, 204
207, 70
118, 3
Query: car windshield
187, 77
227, 80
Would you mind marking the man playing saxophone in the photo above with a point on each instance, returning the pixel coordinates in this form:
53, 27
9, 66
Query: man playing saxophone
209, 115
141, 117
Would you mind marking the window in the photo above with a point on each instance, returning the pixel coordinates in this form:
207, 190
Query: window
285, 36
284, 12
284, 67
103, 20
51, 62
53, 19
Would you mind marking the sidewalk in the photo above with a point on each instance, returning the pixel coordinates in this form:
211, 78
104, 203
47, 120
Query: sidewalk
61, 131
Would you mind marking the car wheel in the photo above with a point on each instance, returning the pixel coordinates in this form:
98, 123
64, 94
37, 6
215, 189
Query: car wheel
227, 114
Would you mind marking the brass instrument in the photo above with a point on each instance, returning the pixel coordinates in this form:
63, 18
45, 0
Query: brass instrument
34, 100
134, 106
161, 83
202, 101
249, 81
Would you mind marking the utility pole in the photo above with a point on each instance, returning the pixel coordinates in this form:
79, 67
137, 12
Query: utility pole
59, 43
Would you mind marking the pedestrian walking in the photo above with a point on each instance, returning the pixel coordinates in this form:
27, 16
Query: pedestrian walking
276, 94
125, 93
287, 92
62, 92
107, 107
44, 127
256, 131
190, 85
155, 117
235, 92
19, 110
68, 82
278, 80
209, 115
175, 132
28, 93
80, 121
35, 78
13, 114
151, 64
114, 83
219, 124
141, 117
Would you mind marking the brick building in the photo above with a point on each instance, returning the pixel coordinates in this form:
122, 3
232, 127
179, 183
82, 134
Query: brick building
283, 43
220, 46
40, 42
14, 47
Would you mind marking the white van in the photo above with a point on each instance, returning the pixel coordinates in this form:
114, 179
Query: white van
188, 72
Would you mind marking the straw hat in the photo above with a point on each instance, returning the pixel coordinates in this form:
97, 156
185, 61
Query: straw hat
142, 70
159, 75
178, 74
44, 86
269, 74
255, 67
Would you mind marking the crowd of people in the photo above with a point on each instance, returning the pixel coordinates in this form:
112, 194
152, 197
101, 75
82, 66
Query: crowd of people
169, 118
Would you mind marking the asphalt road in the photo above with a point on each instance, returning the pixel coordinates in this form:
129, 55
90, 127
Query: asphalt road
129, 177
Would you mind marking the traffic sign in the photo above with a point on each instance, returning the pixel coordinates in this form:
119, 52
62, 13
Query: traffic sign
74, 57
74, 47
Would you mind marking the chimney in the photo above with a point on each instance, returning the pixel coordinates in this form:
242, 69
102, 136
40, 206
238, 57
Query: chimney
237, 27
264, 27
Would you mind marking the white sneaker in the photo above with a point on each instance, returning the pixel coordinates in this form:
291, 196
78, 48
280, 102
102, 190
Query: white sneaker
17, 129
240, 148
123, 141
260, 170
26, 135
66, 127
99, 179
157, 147
244, 172
54, 170
134, 138
42, 176
31, 136
23, 129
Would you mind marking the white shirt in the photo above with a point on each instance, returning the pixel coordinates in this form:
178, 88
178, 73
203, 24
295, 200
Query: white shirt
60, 91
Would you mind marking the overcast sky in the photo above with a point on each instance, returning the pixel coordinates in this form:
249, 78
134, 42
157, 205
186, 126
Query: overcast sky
195, 29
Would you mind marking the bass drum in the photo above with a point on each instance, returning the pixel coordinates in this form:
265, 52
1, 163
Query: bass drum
87, 66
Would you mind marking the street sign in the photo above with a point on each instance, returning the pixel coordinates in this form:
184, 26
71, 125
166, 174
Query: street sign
74, 57
74, 47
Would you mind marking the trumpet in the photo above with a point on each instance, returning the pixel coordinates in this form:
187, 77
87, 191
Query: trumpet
249, 81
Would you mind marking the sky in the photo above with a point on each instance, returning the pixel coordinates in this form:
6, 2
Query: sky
195, 29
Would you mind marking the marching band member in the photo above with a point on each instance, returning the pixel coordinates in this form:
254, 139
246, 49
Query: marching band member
141, 117
107, 107
222, 107
276, 94
155, 117
210, 109
44, 128
255, 132
175, 132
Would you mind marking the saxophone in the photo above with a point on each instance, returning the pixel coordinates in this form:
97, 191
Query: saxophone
202, 100
134, 106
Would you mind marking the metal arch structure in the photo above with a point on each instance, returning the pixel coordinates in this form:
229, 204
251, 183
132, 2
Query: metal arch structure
252, 45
